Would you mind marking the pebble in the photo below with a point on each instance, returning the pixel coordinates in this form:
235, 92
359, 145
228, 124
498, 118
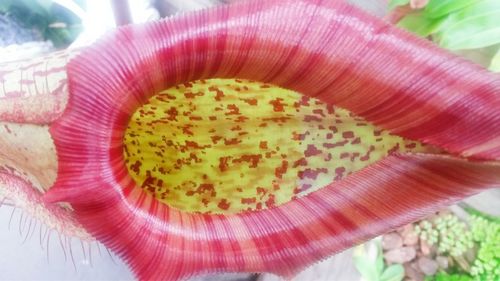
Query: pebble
410, 238
412, 273
392, 241
425, 248
427, 266
442, 262
400, 255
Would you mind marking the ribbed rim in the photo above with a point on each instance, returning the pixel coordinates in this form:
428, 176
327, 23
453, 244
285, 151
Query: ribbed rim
328, 50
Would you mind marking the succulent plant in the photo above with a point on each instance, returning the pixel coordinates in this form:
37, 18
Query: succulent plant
369, 261
450, 235
454, 238
487, 234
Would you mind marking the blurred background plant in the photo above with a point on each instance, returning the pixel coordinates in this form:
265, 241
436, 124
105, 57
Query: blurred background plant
48, 20
369, 262
455, 24
443, 247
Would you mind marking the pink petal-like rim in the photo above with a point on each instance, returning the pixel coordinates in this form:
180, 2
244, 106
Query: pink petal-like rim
324, 49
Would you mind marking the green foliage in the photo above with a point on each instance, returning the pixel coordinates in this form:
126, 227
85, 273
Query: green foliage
52, 21
475, 26
487, 234
375, 270
420, 25
443, 276
495, 63
394, 272
457, 24
395, 3
437, 9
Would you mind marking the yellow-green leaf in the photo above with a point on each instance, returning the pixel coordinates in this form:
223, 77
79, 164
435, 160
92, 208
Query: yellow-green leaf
421, 25
366, 268
395, 3
394, 272
439, 8
476, 26
495, 63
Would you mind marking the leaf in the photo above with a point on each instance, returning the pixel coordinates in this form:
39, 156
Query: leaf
476, 26
495, 63
395, 3
394, 272
366, 267
379, 262
420, 25
5, 5
45, 4
439, 8
39, 7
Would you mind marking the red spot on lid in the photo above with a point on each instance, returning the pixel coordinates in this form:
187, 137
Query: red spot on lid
253, 159
311, 173
394, 149
216, 139
195, 118
297, 136
356, 141
328, 157
348, 134
261, 191
411, 145
301, 162
223, 204
248, 200
277, 104
302, 188
366, 157
280, 171
319, 111
172, 114
232, 141
333, 145
241, 118
263, 145
312, 150
339, 173
250, 101
136, 167
270, 202
233, 110
309, 118
190, 95
344, 155
223, 163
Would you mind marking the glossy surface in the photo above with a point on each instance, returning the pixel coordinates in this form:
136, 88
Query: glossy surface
322, 49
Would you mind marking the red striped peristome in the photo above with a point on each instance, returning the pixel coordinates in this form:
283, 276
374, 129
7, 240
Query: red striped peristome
323, 49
